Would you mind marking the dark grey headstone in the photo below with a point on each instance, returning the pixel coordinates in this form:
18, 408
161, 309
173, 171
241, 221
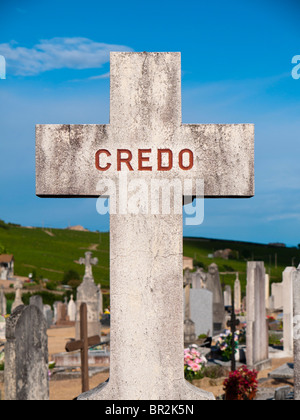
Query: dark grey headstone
26, 355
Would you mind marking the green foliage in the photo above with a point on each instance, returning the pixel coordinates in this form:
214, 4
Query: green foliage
3, 225
2, 249
50, 256
71, 278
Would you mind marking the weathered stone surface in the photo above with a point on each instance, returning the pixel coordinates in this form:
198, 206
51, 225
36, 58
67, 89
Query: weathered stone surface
287, 297
26, 355
257, 331
213, 284
88, 292
145, 247
145, 113
296, 330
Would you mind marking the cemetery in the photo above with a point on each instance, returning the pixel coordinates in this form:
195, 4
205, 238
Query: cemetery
220, 337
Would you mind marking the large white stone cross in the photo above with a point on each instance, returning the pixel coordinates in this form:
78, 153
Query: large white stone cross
145, 140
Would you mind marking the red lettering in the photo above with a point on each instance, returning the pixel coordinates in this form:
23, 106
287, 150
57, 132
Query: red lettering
144, 159
126, 160
191, 160
160, 152
105, 152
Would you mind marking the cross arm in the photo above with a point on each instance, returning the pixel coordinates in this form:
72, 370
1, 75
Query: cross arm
224, 157
78, 345
64, 159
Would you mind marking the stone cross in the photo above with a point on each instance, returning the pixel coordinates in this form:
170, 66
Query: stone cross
18, 286
88, 261
257, 338
26, 356
83, 345
145, 143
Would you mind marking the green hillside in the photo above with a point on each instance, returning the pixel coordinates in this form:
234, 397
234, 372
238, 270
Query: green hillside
51, 253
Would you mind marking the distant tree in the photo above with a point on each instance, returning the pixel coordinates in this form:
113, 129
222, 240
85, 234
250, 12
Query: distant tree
3, 225
298, 246
2, 249
71, 278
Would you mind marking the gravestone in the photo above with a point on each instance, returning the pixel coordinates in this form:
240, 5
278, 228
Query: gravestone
62, 318
145, 141
296, 332
189, 325
257, 339
237, 294
201, 301
213, 284
2, 327
287, 297
72, 309
267, 291
26, 356
277, 294
227, 296
198, 305
18, 286
37, 301
48, 315
3, 309
89, 293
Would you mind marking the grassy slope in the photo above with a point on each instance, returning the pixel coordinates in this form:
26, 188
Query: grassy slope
35, 249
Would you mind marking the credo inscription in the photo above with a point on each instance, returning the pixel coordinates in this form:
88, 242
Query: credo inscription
165, 159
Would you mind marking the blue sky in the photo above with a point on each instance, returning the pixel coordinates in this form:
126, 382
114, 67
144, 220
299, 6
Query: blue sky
236, 68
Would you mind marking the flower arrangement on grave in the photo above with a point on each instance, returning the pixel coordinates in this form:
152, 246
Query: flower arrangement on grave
194, 363
224, 344
241, 385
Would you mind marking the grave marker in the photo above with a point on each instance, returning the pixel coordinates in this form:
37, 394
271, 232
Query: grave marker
145, 142
257, 331
89, 293
83, 345
26, 355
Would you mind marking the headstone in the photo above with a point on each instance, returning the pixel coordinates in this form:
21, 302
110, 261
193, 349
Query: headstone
296, 332
214, 285
2, 327
237, 294
257, 339
3, 310
189, 325
37, 301
18, 286
48, 315
277, 296
62, 315
201, 301
26, 356
88, 293
145, 140
72, 309
267, 291
287, 297
227, 296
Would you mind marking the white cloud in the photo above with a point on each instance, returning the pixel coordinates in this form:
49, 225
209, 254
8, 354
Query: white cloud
57, 53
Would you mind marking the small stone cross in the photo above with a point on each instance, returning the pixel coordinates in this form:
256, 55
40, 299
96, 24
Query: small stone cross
88, 261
